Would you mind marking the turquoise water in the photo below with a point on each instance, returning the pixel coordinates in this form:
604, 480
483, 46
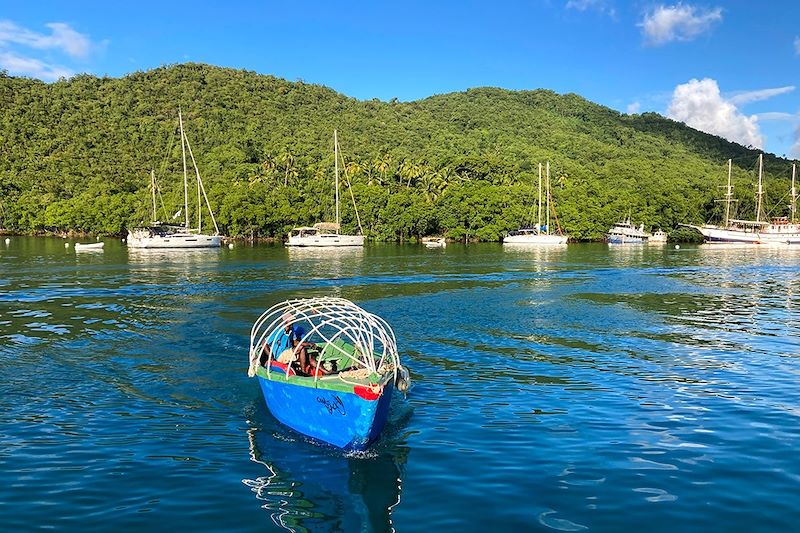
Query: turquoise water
583, 388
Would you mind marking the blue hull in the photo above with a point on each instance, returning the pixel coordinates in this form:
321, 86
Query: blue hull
343, 419
626, 240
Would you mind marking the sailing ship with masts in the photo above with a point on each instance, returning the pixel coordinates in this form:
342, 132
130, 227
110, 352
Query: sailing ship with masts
540, 235
327, 234
167, 235
776, 231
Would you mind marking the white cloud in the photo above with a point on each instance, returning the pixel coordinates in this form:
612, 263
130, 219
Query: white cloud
677, 23
746, 97
28, 66
700, 105
62, 38
20, 49
585, 5
776, 115
634, 107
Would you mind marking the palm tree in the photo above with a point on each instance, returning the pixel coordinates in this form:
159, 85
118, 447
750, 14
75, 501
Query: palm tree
287, 161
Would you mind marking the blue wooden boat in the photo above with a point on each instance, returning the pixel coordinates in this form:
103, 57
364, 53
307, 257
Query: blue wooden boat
344, 398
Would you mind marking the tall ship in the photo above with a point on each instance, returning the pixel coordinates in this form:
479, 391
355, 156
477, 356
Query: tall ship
328, 234
168, 235
541, 234
626, 233
780, 230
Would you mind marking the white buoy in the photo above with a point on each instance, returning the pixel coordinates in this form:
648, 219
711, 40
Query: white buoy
123, 239
230, 245
8, 241
66, 245
677, 246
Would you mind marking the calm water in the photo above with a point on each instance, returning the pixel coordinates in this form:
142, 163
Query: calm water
583, 388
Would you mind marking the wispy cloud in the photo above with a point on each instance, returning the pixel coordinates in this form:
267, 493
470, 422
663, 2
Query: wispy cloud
603, 6
745, 97
634, 107
679, 22
700, 105
20, 49
28, 66
62, 37
776, 115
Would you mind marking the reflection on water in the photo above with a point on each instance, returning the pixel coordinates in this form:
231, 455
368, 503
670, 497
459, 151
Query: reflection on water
304, 486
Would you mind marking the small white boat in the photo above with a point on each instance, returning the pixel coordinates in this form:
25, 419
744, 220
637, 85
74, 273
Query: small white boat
89, 246
658, 237
434, 242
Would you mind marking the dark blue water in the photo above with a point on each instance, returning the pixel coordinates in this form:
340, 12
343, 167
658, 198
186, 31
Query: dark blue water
583, 388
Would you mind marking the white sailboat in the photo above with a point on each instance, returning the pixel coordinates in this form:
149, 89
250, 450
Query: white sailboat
166, 235
778, 231
536, 235
326, 234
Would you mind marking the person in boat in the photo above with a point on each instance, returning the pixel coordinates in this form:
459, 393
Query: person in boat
286, 342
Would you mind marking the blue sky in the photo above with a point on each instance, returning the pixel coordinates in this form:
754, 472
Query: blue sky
726, 67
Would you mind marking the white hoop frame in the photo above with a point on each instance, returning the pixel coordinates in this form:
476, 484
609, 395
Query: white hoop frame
329, 318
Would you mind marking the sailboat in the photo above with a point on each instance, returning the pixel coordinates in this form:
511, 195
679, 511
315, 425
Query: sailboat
540, 234
326, 234
778, 231
169, 235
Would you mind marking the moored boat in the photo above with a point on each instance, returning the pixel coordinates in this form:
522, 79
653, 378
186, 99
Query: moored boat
658, 237
541, 234
777, 231
89, 246
344, 398
327, 234
626, 233
164, 235
434, 242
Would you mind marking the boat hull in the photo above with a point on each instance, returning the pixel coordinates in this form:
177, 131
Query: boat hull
717, 235
536, 239
341, 418
175, 242
625, 239
325, 241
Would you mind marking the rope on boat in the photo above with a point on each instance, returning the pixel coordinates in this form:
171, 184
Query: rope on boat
326, 320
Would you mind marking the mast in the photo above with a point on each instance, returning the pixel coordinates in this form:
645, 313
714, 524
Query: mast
336, 166
201, 188
728, 196
185, 178
793, 207
539, 219
547, 191
199, 205
153, 190
760, 187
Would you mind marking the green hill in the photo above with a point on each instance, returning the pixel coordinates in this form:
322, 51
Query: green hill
77, 155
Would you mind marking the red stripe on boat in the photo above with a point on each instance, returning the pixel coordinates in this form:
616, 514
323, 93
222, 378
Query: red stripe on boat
368, 393
277, 365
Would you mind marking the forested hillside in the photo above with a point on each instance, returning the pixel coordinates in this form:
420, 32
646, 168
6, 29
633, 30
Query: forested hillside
77, 155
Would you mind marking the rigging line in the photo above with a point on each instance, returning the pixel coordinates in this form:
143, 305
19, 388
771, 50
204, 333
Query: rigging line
352, 197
